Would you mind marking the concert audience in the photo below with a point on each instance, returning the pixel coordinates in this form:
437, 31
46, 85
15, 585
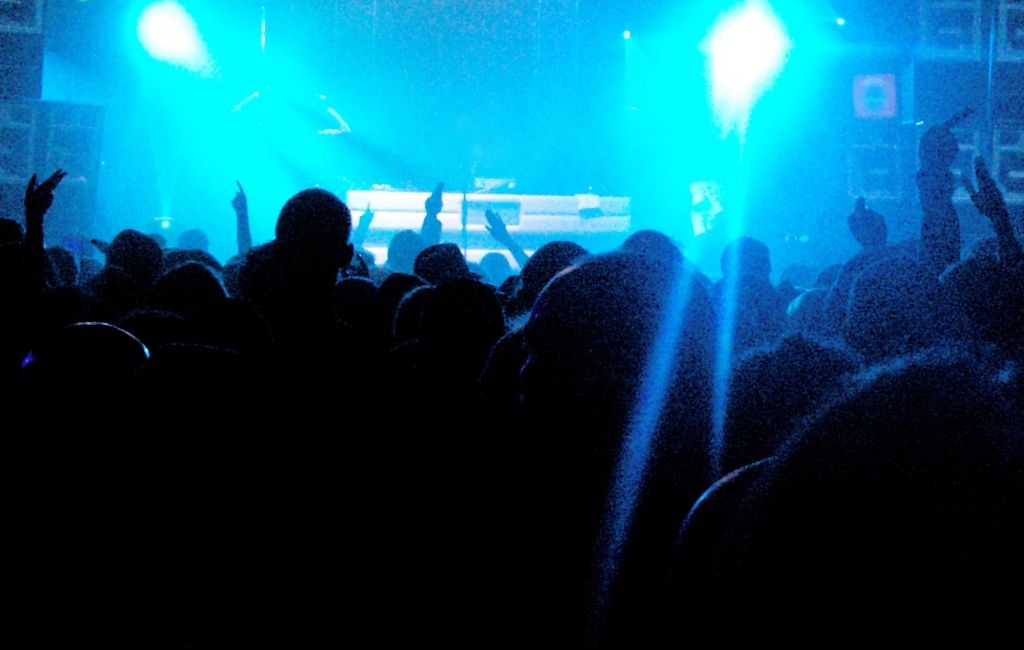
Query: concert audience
605, 451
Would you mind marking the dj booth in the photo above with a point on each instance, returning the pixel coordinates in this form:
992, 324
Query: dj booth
595, 222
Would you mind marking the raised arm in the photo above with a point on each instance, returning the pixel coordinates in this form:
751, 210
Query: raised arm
359, 235
431, 229
244, 235
497, 228
989, 201
38, 199
940, 226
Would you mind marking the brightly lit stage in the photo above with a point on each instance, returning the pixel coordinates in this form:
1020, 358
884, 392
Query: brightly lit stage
720, 118
595, 222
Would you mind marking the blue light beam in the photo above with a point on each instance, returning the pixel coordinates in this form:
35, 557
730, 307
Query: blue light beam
639, 442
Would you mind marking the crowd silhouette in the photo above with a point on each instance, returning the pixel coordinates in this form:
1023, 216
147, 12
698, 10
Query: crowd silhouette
583, 450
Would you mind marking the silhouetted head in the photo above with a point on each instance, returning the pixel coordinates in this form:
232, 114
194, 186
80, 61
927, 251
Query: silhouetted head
256, 273
194, 239
106, 350
156, 328
867, 226
232, 270
409, 313
986, 302
235, 325
137, 255
10, 231
312, 233
393, 289
354, 303
402, 251
179, 257
894, 308
897, 507
497, 267
62, 270
592, 333
441, 262
770, 391
746, 256
389, 295
113, 294
545, 263
461, 321
654, 244
198, 387
76, 374
752, 309
88, 269
187, 290
938, 147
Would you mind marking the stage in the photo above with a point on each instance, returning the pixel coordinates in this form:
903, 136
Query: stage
595, 222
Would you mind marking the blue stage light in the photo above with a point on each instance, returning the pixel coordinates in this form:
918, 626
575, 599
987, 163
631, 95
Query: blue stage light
627, 35
168, 33
747, 48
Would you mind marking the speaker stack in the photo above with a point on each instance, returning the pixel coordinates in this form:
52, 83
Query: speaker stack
37, 136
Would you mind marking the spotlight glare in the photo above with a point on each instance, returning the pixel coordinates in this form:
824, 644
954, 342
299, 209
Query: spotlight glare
168, 33
841, 21
627, 35
746, 48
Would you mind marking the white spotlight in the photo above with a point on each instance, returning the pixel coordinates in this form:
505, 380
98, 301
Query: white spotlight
746, 47
170, 34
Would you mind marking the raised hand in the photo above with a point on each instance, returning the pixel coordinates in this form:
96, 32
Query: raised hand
990, 202
240, 203
359, 235
938, 148
430, 231
859, 209
496, 226
986, 197
940, 226
38, 199
434, 203
243, 234
937, 152
39, 196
